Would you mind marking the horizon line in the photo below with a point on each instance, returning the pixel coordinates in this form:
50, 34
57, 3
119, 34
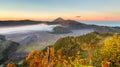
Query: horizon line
52, 19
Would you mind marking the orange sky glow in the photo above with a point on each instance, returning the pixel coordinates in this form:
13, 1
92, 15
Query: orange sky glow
67, 9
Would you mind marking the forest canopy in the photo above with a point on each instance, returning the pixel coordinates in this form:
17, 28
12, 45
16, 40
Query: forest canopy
89, 50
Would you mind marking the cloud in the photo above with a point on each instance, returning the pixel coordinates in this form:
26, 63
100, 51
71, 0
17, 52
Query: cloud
25, 29
78, 16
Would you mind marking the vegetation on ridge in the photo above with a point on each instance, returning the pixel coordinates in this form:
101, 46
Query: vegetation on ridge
90, 50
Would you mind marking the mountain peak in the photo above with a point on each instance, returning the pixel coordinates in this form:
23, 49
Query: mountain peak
59, 19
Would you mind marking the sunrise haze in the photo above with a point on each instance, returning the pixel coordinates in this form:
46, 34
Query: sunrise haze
67, 9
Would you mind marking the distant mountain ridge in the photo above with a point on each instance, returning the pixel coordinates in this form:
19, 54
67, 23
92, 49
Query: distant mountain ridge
70, 24
18, 22
59, 19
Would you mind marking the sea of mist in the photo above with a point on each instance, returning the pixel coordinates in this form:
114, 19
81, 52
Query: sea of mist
26, 29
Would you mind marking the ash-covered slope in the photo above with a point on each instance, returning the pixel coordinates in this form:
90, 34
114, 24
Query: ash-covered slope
6, 48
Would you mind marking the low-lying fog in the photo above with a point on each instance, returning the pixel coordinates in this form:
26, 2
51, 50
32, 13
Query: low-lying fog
19, 33
25, 29
34, 37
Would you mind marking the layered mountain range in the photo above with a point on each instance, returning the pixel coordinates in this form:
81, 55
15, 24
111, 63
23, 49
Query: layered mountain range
16, 46
68, 24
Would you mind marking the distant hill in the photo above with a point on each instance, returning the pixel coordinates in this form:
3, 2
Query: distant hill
59, 20
70, 24
60, 30
18, 22
65, 22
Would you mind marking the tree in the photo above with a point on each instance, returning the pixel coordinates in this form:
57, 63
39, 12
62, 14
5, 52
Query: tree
111, 50
35, 59
12, 64
89, 48
105, 63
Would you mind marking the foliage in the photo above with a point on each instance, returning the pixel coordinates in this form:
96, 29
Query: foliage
111, 50
11, 64
35, 59
90, 50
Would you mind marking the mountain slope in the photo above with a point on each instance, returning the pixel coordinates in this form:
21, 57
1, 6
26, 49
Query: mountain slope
6, 48
72, 24
59, 19
89, 50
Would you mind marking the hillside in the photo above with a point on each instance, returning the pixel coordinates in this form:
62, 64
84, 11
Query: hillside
90, 50
7, 47
69, 48
60, 30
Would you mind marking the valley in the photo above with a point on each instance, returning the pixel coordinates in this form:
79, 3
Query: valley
39, 36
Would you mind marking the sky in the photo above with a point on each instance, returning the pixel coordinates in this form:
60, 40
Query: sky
67, 9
